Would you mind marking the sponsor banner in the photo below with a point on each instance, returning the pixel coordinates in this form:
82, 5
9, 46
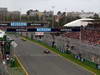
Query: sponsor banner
39, 33
43, 29
4, 24
18, 24
35, 24
20, 28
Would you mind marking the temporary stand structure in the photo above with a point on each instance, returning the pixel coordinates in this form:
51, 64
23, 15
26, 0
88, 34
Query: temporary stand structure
5, 45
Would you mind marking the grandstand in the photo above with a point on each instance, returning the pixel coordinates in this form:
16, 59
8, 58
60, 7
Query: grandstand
90, 30
88, 38
79, 22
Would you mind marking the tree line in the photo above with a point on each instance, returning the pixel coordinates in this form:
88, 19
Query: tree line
56, 20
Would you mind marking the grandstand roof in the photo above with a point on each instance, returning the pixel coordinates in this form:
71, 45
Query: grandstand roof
79, 22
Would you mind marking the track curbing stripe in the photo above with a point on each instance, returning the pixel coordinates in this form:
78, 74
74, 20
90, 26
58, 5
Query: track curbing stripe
26, 73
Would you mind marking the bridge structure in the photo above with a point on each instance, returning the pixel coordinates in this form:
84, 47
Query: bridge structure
32, 27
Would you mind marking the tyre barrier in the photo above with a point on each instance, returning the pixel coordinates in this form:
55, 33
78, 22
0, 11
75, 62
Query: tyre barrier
98, 66
87, 62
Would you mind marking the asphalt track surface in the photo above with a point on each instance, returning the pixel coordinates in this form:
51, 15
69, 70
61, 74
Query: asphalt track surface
38, 63
3, 70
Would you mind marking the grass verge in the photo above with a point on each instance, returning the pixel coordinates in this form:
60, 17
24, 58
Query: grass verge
15, 68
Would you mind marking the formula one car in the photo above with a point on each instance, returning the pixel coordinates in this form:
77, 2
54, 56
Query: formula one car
46, 52
23, 39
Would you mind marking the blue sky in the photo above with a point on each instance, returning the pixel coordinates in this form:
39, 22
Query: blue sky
62, 5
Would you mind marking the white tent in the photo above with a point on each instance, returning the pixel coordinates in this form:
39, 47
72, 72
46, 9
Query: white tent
78, 23
2, 33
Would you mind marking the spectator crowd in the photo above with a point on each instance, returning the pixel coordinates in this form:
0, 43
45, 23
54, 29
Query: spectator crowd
90, 36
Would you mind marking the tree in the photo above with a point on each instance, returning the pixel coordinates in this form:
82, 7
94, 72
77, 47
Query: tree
96, 16
72, 18
29, 11
66, 19
64, 14
59, 13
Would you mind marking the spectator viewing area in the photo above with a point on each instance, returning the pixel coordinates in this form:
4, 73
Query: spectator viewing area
49, 37
79, 38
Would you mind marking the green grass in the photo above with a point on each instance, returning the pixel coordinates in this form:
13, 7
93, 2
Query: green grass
15, 68
17, 63
69, 57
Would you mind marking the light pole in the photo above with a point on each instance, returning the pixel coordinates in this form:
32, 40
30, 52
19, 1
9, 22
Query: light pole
20, 20
53, 37
53, 16
81, 29
20, 15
